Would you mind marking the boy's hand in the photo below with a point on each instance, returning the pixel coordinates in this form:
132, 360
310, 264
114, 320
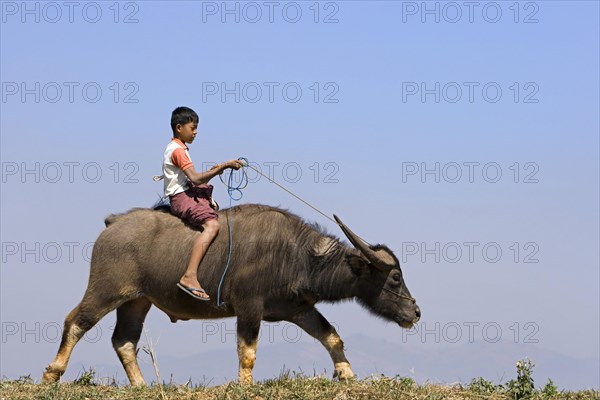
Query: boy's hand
235, 164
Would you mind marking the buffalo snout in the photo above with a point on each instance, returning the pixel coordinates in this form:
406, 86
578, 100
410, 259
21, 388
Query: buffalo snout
417, 314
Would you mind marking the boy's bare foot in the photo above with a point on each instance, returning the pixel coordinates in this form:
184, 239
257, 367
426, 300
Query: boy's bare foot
193, 288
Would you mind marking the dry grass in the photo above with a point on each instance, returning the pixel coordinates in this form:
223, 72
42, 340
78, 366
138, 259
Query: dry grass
284, 387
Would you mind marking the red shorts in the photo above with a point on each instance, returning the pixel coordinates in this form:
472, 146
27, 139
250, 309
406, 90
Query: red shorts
194, 206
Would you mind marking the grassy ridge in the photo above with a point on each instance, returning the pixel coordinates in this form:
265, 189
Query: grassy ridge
284, 387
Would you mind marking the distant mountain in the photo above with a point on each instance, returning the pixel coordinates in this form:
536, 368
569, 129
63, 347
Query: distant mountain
461, 363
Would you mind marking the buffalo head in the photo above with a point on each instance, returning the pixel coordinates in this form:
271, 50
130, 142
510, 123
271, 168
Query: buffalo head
380, 286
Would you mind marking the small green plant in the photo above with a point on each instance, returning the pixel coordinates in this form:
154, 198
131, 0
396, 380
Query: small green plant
550, 390
523, 387
482, 386
87, 378
406, 383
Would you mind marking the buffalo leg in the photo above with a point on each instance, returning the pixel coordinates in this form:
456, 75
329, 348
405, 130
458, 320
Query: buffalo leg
78, 322
315, 324
130, 321
247, 335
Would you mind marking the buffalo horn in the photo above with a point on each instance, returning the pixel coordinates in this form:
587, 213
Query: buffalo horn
363, 247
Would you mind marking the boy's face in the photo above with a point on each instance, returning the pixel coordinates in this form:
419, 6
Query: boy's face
187, 132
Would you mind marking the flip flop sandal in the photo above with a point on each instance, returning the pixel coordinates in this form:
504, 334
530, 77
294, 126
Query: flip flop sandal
191, 290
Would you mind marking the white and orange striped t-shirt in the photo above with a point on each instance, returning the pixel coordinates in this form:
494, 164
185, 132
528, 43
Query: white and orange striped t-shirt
175, 161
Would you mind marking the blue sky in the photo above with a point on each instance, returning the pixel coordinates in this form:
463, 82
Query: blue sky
361, 144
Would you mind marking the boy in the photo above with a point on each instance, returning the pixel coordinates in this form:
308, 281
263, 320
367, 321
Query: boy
191, 195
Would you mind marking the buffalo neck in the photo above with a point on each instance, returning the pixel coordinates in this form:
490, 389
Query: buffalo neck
331, 278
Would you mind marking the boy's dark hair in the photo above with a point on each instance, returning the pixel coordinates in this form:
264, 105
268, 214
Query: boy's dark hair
183, 115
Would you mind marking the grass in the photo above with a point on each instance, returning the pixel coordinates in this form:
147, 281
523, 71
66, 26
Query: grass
291, 385
288, 386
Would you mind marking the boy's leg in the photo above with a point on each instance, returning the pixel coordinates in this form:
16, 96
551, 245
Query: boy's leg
201, 244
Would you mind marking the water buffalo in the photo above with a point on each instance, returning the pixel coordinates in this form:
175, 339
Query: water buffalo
280, 268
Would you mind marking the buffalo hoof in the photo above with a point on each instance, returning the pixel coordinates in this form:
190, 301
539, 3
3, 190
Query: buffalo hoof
343, 371
50, 377
138, 383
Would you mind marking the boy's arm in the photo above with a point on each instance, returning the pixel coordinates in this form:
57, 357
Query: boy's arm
198, 178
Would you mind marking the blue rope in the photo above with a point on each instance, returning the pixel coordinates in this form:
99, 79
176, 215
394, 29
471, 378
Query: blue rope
235, 194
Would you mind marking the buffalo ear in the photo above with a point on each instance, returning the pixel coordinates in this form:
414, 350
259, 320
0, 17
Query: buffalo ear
359, 265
